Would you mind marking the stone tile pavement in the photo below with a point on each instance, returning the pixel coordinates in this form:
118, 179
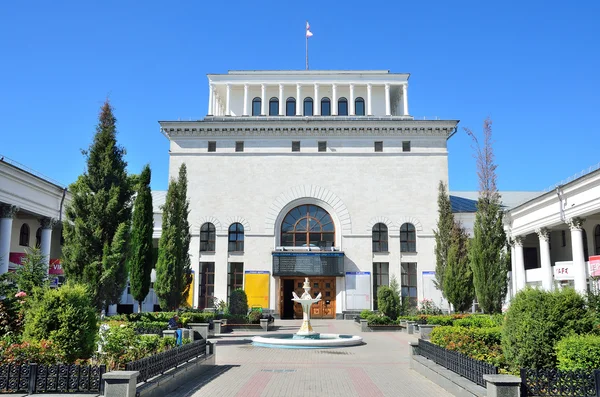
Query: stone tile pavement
377, 368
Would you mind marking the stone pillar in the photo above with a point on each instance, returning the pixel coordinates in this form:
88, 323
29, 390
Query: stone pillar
218, 105
7, 214
334, 100
263, 99
351, 110
502, 385
120, 383
520, 263
579, 265
547, 276
281, 101
388, 108
245, 111
211, 89
228, 100
47, 225
317, 103
513, 269
369, 90
299, 101
405, 98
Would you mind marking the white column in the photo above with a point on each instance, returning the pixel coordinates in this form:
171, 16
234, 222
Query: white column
579, 265
513, 270
520, 263
281, 101
547, 276
405, 98
7, 213
214, 102
369, 90
334, 104
317, 102
263, 99
245, 112
218, 103
388, 111
211, 91
228, 100
47, 225
351, 99
298, 100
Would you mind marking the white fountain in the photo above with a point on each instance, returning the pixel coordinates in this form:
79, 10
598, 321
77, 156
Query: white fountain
306, 337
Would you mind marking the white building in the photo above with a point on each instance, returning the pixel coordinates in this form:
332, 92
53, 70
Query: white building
319, 174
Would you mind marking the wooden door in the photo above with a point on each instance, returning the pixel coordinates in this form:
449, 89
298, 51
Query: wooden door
325, 308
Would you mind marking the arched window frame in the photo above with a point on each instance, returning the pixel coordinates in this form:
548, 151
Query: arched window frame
308, 215
38, 237
236, 237
325, 106
360, 101
24, 235
290, 106
256, 106
342, 107
274, 106
380, 237
408, 238
597, 240
308, 111
208, 236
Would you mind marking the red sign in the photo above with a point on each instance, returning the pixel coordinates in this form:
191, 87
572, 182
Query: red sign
16, 258
55, 267
595, 266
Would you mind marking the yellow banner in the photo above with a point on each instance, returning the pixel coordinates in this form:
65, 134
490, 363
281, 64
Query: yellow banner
189, 302
257, 288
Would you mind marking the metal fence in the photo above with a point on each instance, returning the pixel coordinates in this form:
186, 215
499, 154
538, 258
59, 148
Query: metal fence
158, 364
456, 362
149, 330
556, 383
62, 378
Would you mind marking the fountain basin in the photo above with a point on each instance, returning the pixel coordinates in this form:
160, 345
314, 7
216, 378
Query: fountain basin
318, 341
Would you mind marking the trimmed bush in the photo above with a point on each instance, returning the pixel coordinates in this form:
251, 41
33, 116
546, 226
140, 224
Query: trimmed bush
478, 343
190, 317
381, 320
578, 352
254, 317
536, 320
388, 302
440, 320
238, 302
482, 321
365, 314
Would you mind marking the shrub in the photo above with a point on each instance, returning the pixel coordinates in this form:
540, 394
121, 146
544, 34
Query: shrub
238, 302
388, 302
479, 343
64, 316
254, 317
42, 352
480, 321
235, 318
578, 352
11, 316
536, 320
380, 320
365, 314
427, 306
190, 317
440, 320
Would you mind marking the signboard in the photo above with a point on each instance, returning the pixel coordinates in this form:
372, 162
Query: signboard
55, 267
16, 259
563, 271
308, 264
189, 301
256, 286
358, 290
594, 266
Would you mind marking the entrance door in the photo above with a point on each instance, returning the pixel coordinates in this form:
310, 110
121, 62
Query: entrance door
288, 303
325, 308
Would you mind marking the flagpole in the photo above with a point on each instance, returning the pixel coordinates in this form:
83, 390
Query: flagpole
306, 36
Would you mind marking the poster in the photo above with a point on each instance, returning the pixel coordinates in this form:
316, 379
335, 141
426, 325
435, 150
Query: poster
189, 302
256, 285
594, 262
358, 290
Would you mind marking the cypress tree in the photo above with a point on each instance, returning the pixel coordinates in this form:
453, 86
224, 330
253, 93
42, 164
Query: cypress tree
173, 266
442, 235
458, 278
487, 252
98, 217
141, 249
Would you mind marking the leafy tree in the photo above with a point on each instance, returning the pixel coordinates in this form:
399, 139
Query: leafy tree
442, 235
395, 285
487, 252
173, 266
238, 302
141, 249
33, 271
458, 279
98, 217
388, 302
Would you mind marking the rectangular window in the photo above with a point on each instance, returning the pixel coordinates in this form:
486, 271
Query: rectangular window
239, 146
409, 282
207, 285
530, 258
381, 277
295, 146
322, 146
235, 277
379, 146
406, 146
212, 146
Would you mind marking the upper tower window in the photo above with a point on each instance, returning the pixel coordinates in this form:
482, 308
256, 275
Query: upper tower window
325, 107
308, 106
342, 107
359, 106
256, 103
290, 107
273, 107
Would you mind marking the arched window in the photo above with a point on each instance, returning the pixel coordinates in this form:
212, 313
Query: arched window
408, 238
359, 106
38, 238
290, 107
380, 238
597, 240
236, 237
24, 235
308, 106
273, 107
207, 237
325, 107
586, 251
342, 107
308, 225
256, 106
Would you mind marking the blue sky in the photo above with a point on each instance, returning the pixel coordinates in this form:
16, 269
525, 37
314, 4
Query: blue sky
532, 66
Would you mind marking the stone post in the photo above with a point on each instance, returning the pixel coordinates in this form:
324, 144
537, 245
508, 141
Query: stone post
364, 325
201, 330
264, 324
412, 351
120, 383
217, 326
426, 330
579, 266
503, 385
410, 327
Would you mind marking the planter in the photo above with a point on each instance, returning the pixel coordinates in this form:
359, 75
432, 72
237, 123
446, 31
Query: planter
410, 327
386, 327
200, 330
426, 330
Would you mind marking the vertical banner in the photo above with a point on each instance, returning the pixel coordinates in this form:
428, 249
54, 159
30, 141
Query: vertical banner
594, 263
190, 298
358, 290
256, 286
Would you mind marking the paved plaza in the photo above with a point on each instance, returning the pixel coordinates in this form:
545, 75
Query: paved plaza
377, 368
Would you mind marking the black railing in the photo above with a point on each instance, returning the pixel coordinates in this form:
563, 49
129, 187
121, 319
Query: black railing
556, 383
457, 362
62, 378
158, 364
149, 330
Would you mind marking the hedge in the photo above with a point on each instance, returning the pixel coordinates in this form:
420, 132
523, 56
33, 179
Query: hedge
478, 343
578, 352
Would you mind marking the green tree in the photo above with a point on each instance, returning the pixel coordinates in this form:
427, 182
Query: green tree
173, 265
98, 217
141, 249
33, 272
487, 250
388, 302
238, 302
442, 235
458, 279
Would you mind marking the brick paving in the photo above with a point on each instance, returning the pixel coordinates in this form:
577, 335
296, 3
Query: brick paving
378, 368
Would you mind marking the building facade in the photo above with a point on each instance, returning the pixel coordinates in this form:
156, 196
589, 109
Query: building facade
319, 174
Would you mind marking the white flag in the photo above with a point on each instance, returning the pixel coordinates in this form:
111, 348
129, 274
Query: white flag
308, 32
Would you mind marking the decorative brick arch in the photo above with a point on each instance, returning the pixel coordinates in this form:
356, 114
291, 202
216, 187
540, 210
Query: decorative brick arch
309, 194
413, 220
210, 219
392, 227
238, 219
